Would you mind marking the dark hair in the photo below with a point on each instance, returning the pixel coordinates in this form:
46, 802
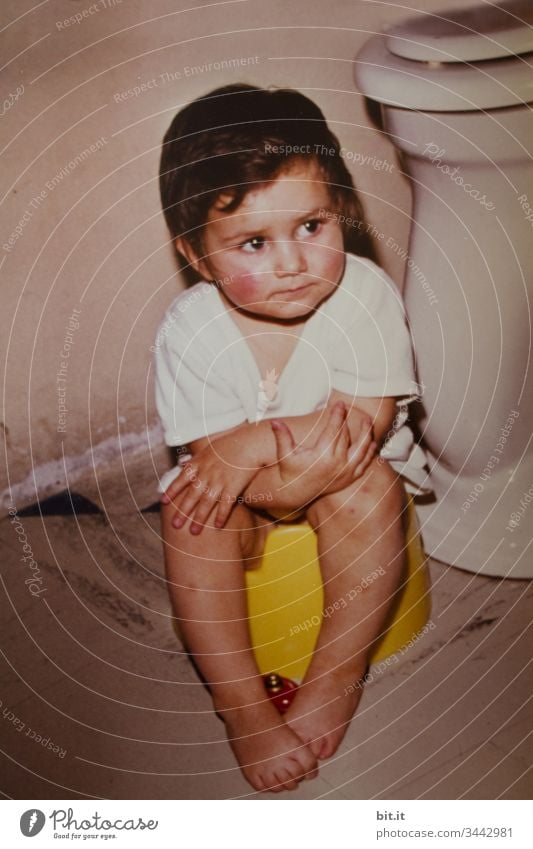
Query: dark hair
225, 143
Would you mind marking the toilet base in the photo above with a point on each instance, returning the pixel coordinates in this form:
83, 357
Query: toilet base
481, 526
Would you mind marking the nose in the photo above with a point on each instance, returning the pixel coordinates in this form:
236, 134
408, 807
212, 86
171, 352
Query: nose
289, 259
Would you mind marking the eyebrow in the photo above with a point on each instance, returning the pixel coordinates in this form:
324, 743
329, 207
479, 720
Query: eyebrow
247, 234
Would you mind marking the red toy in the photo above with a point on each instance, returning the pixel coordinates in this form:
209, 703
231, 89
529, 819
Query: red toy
281, 690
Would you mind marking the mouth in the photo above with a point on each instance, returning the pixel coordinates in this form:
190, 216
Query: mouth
296, 291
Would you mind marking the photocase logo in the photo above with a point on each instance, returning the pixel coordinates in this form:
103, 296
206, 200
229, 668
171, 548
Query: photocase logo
32, 822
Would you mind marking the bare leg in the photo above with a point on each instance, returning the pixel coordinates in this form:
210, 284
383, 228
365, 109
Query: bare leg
360, 531
205, 575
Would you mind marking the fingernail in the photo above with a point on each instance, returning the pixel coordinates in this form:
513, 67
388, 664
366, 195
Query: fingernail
164, 499
177, 523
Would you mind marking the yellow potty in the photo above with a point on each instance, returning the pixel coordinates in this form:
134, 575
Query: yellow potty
285, 600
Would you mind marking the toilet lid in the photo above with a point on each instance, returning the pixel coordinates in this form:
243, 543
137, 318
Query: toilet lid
466, 35
474, 59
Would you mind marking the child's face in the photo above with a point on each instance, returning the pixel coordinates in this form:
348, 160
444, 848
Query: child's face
277, 256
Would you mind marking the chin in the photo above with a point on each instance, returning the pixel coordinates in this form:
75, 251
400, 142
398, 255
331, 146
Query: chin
293, 310
302, 304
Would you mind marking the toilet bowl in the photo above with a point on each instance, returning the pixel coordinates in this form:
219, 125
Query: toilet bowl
456, 91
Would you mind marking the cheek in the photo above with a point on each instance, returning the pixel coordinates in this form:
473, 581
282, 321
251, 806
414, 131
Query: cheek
328, 261
335, 266
245, 288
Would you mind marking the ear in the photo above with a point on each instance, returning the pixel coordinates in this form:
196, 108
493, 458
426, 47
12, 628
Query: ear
200, 265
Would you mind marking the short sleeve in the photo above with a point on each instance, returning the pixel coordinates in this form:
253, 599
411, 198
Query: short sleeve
372, 355
193, 395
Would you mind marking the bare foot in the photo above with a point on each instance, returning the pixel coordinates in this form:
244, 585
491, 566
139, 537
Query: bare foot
270, 755
322, 710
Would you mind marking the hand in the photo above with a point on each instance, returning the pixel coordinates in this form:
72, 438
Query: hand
207, 483
332, 463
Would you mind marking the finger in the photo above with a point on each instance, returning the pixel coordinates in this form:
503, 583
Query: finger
343, 439
361, 467
204, 509
225, 506
359, 446
363, 432
365, 424
284, 438
362, 459
186, 505
186, 476
331, 431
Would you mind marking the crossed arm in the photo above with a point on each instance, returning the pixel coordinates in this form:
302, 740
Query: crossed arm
291, 462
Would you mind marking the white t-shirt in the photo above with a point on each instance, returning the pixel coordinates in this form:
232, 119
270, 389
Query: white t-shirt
207, 378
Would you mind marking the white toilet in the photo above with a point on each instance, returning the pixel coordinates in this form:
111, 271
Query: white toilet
454, 90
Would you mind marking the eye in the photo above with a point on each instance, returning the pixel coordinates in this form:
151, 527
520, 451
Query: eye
253, 245
312, 226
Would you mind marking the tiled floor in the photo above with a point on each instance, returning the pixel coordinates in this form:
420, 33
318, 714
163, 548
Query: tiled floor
98, 700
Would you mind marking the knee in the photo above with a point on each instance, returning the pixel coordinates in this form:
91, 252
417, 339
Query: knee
241, 536
379, 495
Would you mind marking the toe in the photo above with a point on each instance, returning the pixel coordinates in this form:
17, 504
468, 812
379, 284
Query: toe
285, 778
310, 774
305, 767
330, 744
326, 749
274, 785
255, 780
